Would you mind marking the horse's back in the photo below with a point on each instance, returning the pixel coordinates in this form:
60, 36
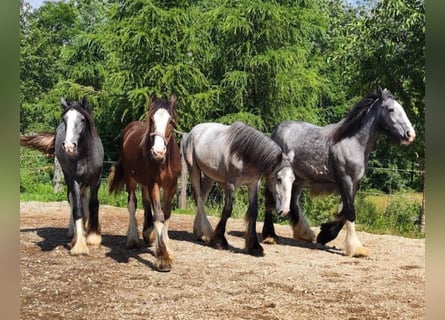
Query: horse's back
205, 147
204, 140
308, 148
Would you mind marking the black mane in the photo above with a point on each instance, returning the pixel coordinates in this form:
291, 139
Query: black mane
353, 121
253, 147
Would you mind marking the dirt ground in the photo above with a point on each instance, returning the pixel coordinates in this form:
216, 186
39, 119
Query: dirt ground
292, 281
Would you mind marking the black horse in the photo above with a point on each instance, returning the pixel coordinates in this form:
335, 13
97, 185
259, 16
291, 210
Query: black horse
334, 158
80, 153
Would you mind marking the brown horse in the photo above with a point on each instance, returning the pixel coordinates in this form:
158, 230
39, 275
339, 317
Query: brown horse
150, 157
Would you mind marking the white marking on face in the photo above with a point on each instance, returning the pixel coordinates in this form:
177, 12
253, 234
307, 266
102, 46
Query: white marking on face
75, 123
160, 121
400, 119
283, 189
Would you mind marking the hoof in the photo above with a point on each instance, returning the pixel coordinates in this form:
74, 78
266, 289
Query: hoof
94, 239
133, 244
307, 235
164, 264
79, 250
270, 240
358, 252
220, 244
256, 252
201, 237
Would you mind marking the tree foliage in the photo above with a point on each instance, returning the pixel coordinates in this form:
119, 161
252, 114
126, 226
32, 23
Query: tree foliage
260, 62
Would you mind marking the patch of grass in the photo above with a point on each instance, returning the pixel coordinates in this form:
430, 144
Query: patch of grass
376, 213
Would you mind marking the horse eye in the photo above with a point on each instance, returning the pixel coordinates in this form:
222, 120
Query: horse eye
391, 109
279, 180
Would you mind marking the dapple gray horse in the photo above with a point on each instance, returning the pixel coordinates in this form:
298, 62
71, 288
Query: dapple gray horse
232, 156
334, 158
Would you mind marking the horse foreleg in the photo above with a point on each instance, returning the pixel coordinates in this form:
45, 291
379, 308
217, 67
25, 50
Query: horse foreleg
346, 215
218, 239
252, 245
268, 233
162, 252
132, 232
353, 246
79, 243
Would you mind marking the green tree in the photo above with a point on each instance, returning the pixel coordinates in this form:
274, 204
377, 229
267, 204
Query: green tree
386, 47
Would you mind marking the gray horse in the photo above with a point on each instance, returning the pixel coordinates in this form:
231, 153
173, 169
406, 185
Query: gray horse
232, 156
334, 158
80, 153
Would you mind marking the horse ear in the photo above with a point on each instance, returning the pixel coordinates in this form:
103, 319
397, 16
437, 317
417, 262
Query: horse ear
85, 104
152, 98
63, 103
173, 99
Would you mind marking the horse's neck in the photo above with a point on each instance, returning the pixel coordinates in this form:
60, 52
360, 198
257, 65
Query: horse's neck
368, 134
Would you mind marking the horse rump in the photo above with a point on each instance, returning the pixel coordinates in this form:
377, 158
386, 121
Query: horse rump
116, 177
44, 142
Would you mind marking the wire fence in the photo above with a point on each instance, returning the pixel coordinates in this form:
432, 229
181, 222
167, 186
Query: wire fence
35, 163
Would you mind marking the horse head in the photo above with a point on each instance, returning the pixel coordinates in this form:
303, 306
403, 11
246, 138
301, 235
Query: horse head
394, 119
74, 117
161, 118
280, 182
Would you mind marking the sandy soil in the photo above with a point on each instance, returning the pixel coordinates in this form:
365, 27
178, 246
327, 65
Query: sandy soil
292, 281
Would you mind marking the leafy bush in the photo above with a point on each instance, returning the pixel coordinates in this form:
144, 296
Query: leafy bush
399, 217
35, 170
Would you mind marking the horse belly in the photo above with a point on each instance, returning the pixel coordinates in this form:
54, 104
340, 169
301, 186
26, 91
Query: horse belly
318, 189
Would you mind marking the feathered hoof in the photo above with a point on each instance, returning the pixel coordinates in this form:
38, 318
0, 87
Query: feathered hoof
357, 252
94, 239
199, 236
219, 243
256, 251
270, 240
164, 264
308, 236
80, 248
133, 244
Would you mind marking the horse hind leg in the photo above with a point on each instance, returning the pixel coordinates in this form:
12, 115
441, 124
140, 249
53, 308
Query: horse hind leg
148, 231
132, 232
202, 230
268, 232
94, 237
300, 226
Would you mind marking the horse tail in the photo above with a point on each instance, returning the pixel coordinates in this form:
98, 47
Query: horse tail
116, 178
44, 142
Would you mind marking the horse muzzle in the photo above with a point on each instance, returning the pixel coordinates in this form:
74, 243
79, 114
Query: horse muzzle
409, 137
283, 213
70, 148
158, 154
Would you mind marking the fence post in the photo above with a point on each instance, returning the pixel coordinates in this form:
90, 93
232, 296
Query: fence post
422, 210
